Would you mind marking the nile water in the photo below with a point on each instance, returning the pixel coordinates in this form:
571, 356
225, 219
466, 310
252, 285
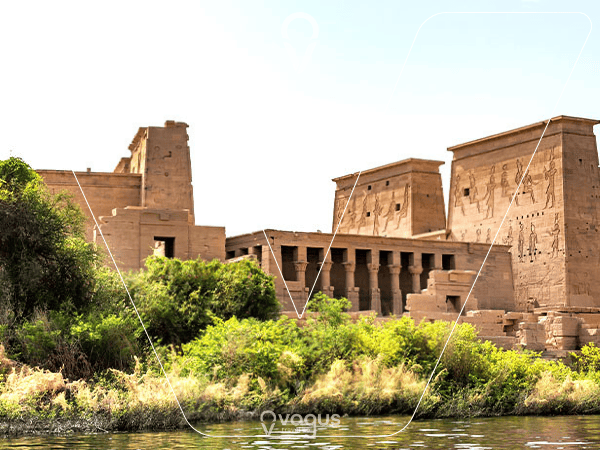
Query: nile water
563, 432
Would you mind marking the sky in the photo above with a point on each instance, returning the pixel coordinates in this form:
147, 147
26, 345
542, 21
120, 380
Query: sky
282, 96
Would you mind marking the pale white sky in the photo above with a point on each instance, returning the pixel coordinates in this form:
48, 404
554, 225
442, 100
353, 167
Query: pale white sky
78, 79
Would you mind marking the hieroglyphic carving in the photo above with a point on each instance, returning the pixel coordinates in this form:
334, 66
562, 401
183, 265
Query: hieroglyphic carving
549, 175
404, 207
478, 232
532, 243
518, 177
528, 186
458, 195
488, 238
339, 212
555, 232
504, 181
521, 241
508, 240
473, 191
377, 210
363, 217
391, 211
463, 234
489, 194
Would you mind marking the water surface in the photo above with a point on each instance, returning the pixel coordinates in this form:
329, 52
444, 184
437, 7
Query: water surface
562, 432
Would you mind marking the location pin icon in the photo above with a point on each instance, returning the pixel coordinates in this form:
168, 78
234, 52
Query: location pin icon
299, 64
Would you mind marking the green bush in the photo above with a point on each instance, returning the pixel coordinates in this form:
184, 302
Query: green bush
177, 299
45, 262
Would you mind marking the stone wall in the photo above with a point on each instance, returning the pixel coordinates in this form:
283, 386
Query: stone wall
551, 225
397, 200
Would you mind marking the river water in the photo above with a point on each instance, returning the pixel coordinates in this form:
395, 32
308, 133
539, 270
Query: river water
562, 432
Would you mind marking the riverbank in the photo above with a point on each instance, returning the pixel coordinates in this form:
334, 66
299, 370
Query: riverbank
34, 401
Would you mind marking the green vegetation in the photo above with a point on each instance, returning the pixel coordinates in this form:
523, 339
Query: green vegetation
74, 349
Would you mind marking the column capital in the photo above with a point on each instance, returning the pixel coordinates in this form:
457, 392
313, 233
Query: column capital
373, 267
300, 266
394, 269
349, 266
415, 270
326, 265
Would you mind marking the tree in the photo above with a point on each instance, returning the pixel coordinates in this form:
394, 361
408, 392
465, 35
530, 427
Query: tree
45, 262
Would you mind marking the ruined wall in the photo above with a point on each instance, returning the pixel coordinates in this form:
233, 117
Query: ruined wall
132, 234
397, 200
104, 191
162, 156
555, 200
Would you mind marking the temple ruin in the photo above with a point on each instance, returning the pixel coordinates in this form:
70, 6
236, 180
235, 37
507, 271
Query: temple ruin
395, 251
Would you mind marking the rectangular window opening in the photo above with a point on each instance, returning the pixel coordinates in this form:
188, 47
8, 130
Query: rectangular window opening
164, 246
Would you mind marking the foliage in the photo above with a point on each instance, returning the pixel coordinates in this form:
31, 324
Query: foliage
588, 360
45, 262
177, 299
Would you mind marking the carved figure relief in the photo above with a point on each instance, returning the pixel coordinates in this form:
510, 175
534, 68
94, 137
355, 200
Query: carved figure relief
363, 217
339, 211
473, 191
458, 196
488, 238
377, 210
478, 232
404, 207
549, 175
518, 177
521, 242
489, 195
463, 234
555, 232
391, 211
350, 218
532, 243
508, 240
504, 181
528, 186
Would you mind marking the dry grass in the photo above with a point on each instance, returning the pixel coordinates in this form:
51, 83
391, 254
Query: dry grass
368, 387
552, 396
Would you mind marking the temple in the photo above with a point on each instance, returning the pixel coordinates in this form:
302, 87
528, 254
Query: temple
395, 251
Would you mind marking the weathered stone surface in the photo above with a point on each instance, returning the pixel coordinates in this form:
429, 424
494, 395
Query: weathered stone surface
146, 206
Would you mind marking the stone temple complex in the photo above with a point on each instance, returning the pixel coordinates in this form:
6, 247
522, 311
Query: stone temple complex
395, 251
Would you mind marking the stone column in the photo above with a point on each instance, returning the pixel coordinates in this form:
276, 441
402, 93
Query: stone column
351, 290
437, 261
270, 267
395, 285
375, 293
416, 272
300, 267
325, 277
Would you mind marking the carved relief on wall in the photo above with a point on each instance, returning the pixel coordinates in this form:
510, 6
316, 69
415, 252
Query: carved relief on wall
339, 211
363, 216
518, 177
463, 235
504, 181
404, 207
528, 186
458, 195
478, 233
473, 191
532, 243
549, 175
390, 211
521, 242
555, 232
508, 240
489, 194
488, 238
377, 210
